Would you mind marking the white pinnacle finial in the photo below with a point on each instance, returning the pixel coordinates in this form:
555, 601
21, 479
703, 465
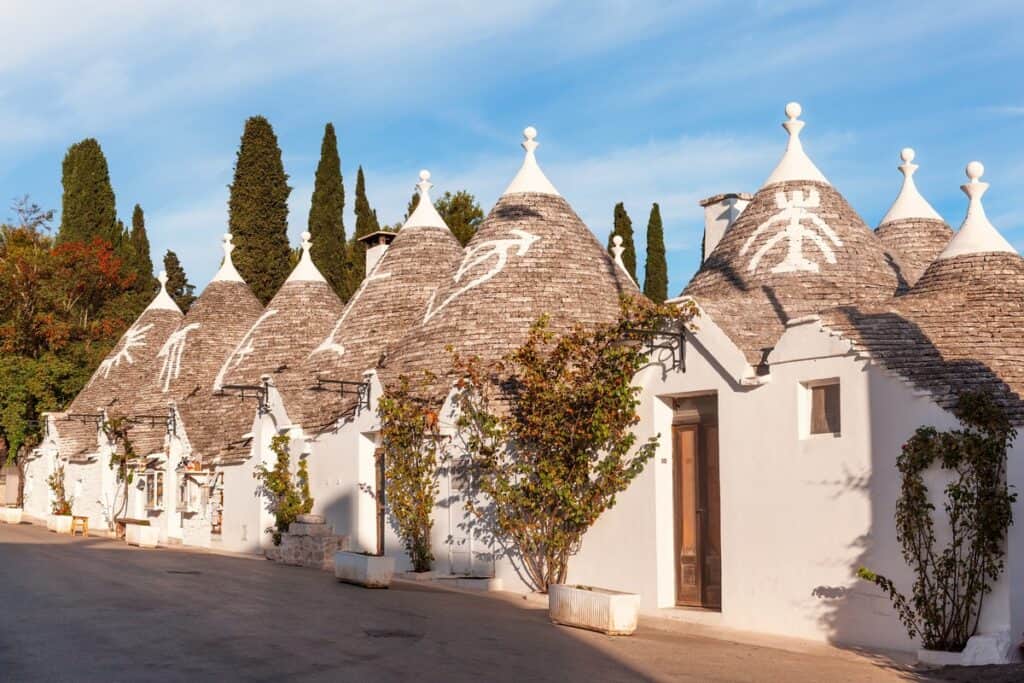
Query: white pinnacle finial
163, 300
227, 272
909, 202
617, 251
976, 235
306, 270
530, 178
795, 164
425, 215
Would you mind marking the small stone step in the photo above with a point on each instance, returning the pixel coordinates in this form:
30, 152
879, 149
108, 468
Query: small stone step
310, 519
300, 529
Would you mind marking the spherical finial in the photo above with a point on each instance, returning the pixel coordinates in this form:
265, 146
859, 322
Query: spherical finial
306, 236
226, 237
424, 174
975, 170
162, 277
530, 133
793, 110
617, 240
907, 154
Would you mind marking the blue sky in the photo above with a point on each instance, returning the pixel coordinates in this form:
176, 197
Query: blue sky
635, 101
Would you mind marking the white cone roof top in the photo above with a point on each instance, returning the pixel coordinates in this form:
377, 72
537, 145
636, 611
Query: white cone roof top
163, 300
795, 164
530, 178
425, 215
976, 235
909, 202
306, 271
227, 272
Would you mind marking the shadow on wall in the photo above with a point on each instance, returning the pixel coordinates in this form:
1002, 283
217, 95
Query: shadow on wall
859, 613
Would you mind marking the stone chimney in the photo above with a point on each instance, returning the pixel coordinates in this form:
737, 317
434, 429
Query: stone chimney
376, 244
720, 212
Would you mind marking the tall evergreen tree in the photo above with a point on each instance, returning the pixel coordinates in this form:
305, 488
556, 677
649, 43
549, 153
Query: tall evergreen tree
326, 222
178, 285
366, 224
258, 210
623, 227
462, 213
141, 261
88, 205
655, 267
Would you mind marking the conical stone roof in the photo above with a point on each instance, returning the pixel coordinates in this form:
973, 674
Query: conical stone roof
389, 303
123, 379
912, 231
192, 356
959, 327
798, 248
295, 321
531, 256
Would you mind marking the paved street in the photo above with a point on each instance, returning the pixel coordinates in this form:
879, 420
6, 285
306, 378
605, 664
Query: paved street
96, 610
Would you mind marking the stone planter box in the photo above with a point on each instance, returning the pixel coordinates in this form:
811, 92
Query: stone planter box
10, 515
59, 523
982, 650
370, 571
595, 609
141, 535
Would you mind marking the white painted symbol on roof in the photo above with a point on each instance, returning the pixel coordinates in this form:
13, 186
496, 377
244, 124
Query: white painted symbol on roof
172, 351
242, 350
478, 255
330, 344
793, 211
133, 338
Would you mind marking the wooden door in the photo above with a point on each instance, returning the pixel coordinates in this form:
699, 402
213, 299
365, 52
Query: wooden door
698, 527
381, 504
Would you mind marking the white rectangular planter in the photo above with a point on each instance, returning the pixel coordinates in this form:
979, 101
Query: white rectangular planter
982, 649
595, 609
59, 523
10, 515
141, 535
371, 571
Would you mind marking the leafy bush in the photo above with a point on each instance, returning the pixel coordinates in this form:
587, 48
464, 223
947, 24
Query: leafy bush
951, 582
548, 433
286, 499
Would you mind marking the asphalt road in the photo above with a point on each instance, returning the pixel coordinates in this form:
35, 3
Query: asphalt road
97, 610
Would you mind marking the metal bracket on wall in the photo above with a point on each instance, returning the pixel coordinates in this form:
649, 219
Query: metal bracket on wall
361, 390
673, 341
243, 391
84, 418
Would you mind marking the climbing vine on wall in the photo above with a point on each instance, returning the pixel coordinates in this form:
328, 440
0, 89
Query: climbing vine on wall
410, 446
122, 458
286, 497
951, 582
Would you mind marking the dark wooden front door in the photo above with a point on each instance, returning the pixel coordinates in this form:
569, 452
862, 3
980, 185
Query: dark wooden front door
381, 502
698, 516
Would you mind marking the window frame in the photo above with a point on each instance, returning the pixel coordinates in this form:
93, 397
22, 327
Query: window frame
807, 406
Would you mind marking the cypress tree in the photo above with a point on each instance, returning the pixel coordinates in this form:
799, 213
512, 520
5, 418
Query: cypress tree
462, 213
366, 224
623, 227
141, 261
258, 210
178, 286
326, 222
655, 267
88, 204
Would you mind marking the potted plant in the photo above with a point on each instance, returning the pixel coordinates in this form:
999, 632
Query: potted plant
364, 569
60, 517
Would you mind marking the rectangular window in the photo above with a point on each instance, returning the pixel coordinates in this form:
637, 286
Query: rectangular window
154, 490
825, 408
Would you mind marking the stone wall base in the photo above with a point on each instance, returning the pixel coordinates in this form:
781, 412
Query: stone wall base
308, 544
